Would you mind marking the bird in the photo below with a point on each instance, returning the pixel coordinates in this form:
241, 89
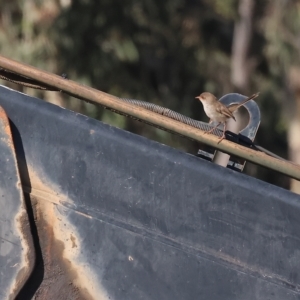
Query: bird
218, 112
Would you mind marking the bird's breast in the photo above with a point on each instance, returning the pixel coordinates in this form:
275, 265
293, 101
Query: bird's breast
213, 114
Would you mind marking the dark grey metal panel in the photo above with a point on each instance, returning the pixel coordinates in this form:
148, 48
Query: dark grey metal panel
16, 261
140, 220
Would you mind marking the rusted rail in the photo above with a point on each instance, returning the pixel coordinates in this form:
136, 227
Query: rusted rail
114, 103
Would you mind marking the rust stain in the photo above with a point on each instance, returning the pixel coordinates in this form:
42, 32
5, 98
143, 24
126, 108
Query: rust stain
21, 222
65, 273
59, 273
27, 263
73, 240
4, 120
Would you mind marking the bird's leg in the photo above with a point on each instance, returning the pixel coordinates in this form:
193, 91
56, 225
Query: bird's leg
213, 128
223, 135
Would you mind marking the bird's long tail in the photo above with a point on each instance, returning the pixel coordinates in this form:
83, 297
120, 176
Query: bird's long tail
234, 107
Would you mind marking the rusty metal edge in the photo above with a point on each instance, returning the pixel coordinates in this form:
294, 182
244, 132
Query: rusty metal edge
23, 222
113, 103
57, 234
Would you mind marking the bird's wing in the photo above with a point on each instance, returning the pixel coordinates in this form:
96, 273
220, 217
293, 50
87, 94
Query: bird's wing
222, 109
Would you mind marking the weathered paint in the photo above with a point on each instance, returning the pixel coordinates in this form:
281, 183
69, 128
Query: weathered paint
144, 221
16, 251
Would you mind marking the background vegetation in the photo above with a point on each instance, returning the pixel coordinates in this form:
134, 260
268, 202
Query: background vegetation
167, 52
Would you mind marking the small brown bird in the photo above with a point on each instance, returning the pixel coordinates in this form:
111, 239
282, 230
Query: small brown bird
218, 112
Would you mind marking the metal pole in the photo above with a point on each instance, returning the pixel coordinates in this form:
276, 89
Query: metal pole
97, 97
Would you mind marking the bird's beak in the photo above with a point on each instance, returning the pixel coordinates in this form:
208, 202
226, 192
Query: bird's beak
198, 97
